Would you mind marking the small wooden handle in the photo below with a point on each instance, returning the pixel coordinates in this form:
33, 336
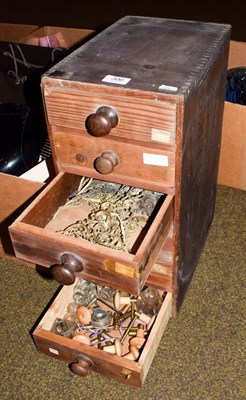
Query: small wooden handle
82, 366
121, 300
64, 273
102, 121
106, 162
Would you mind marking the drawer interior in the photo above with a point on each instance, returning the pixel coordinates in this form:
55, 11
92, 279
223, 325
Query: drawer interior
128, 365
109, 214
72, 200
124, 259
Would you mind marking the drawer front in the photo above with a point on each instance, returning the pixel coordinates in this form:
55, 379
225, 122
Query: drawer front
127, 371
35, 241
142, 166
148, 120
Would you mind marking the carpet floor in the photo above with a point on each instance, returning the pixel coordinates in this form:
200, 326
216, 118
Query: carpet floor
201, 354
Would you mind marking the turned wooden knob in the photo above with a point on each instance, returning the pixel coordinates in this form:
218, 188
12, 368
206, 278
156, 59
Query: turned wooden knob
115, 348
64, 273
133, 353
81, 338
82, 366
84, 315
121, 300
102, 121
106, 162
139, 339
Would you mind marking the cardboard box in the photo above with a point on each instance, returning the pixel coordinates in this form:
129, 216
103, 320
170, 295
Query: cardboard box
232, 166
16, 193
67, 37
15, 32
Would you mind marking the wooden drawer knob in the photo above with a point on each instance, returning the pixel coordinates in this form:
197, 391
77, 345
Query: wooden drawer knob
133, 354
84, 315
102, 121
106, 162
139, 339
82, 366
115, 348
64, 273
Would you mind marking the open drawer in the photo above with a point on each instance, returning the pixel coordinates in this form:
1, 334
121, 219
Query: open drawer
44, 233
85, 357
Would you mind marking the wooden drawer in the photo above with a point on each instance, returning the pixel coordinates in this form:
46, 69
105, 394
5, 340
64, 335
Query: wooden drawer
141, 145
116, 367
144, 166
139, 118
35, 238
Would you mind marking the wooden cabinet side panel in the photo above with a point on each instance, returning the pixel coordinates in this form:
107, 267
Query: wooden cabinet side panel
203, 112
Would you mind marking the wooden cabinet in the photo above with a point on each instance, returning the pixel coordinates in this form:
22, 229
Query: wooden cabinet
141, 105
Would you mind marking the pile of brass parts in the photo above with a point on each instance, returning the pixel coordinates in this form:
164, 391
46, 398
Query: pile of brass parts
116, 212
108, 319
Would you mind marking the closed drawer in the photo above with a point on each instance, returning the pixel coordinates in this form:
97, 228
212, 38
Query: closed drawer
38, 236
125, 162
130, 372
141, 117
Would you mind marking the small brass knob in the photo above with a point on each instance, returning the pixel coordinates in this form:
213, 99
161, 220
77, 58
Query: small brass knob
102, 121
82, 366
105, 163
64, 273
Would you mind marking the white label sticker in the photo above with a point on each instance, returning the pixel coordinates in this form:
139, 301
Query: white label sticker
155, 159
160, 135
169, 88
120, 80
54, 351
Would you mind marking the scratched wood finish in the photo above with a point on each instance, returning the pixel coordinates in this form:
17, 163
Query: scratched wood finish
129, 372
202, 128
171, 106
161, 274
189, 60
140, 119
35, 243
70, 146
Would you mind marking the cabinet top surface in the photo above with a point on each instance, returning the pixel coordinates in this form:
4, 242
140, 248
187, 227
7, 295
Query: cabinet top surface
144, 53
